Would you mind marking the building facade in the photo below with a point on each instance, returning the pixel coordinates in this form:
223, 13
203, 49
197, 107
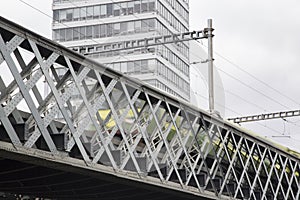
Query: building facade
91, 26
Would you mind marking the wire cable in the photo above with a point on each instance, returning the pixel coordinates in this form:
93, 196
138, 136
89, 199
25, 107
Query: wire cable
253, 76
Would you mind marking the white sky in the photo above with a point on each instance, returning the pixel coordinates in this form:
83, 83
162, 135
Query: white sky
261, 37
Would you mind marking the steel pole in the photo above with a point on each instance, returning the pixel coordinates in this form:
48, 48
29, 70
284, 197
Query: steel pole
210, 67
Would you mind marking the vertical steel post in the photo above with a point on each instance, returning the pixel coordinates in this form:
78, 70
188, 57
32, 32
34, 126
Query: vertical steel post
210, 67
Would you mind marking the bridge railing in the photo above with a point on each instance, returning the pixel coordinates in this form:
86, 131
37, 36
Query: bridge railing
57, 101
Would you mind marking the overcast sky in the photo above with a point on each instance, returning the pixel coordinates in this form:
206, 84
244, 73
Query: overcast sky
259, 37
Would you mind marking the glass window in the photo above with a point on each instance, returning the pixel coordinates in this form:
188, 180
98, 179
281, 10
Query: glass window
144, 6
103, 10
123, 28
62, 34
144, 66
82, 32
123, 8
69, 35
137, 66
145, 25
130, 27
96, 12
123, 67
117, 66
90, 12
137, 6
151, 5
96, 31
130, 7
116, 29
116, 8
69, 14
55, 34
83, 13
89, 32
55, 15
130, 66
151, 23
137, 26
76, 15
109, 10
63, 15
102, 30
76, 33
109, 30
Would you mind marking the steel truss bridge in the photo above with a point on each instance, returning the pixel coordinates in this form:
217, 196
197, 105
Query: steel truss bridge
98, 134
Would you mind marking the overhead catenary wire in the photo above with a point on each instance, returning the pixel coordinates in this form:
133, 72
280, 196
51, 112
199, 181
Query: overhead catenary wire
252, 88
253, 76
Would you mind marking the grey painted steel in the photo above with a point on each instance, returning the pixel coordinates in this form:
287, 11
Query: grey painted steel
130, 129
154, 41
267, 116
210, 67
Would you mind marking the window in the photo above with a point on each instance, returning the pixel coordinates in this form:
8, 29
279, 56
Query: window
90, 12
62, 34
109, 10
55, 34
102, 30
137, 26
130, 6
130, 27
96, 31
76, 15
96, 12
116, 8
103, 10
130, 66
109, 30
137, 66
123, 28
82, 33
76, 33
151, 5
116, 29
145, 25
144, 6
123, 67
55, 15
117, 66
151, 24
144, 66
83, 13
63, 15
89, 32
123, 8
69, 15
137, 6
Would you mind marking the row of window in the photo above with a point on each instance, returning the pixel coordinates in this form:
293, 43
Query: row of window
163, 51
167, 54
114, 29
150, 66
180, 46
179, 9
163, 87
103, 30
172, 77
136, 66
103, 11
167, 15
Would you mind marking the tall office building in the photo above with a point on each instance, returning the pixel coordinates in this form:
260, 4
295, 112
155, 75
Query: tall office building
91, 26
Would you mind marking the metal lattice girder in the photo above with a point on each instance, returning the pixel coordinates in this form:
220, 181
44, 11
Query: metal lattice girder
105, 120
